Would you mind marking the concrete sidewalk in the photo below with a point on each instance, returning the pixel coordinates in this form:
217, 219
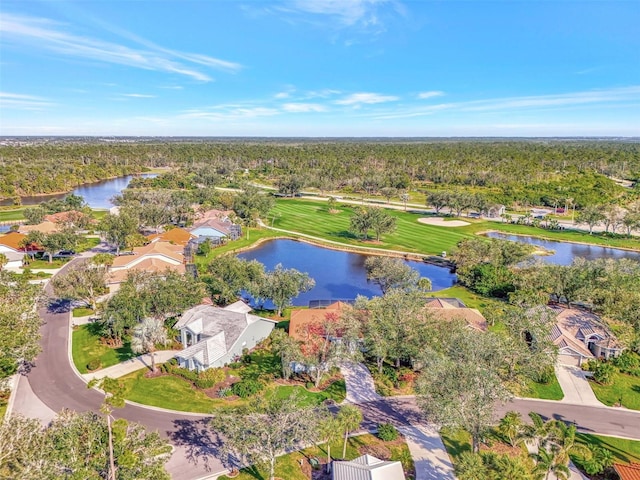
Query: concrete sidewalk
431, 459
575, 387
131, 366
360, 387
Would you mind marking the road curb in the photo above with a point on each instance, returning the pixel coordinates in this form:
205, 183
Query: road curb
13, 388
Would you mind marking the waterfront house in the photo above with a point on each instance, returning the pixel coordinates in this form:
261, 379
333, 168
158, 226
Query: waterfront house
216, 229
453, 309
582, 336
367, 467
214, 336
302, 320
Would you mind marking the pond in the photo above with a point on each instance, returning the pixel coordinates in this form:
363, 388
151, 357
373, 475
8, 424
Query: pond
97, 194
339, 275
565, 252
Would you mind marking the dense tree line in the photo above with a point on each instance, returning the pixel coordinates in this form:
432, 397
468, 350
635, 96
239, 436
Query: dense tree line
524, 171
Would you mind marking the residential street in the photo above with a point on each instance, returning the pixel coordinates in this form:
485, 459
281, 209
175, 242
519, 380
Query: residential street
56, 385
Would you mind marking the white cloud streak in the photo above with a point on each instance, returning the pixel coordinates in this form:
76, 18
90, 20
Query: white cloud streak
20, 101
303, 107
532, 102
138, 95
365, 98
48, 35
430, 94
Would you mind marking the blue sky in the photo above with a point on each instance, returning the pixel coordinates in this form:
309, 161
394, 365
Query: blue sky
320, 68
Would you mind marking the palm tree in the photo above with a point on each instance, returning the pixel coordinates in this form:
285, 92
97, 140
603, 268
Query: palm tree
146, 335
330, 431
548, 462
511, 428
349, 418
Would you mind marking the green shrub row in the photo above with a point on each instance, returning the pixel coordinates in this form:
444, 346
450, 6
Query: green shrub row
247, 388
204, 379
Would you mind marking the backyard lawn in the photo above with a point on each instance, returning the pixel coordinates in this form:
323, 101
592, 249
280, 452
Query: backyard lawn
86, 347
289, 466
624, 451
624, 387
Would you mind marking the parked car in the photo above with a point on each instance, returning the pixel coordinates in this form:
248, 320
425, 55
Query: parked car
64, 254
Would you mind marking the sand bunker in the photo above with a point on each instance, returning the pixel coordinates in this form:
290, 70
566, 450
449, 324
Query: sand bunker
441, 222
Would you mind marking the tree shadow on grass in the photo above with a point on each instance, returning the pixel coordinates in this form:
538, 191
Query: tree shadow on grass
344, 234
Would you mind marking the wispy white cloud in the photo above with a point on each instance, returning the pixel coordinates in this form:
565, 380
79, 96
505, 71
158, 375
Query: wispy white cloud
365, 98
230, 112
303, 107
323, 93
137, 95
430, 94
533, 102
52, 36
364, 16
173, 87
281, 95
20, 101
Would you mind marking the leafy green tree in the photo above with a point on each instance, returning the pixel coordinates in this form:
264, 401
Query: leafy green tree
285, 284
404, 198
34, 215
19, 322
265, 429
438, 200
591, 216
390, 272
461, 384
3, 261
290, 185
160, 295
76, 445
349, 418
371, 218
229, 275
252, 203
146, 335
117, 227
389, 192
83, 281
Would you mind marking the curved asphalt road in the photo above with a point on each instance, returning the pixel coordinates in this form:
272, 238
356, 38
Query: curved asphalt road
57, 385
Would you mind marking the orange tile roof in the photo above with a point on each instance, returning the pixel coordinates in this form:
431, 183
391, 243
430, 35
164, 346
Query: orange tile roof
156, 248
178, 236
61, 216
628, 472
154, 265
12, 240
305, 317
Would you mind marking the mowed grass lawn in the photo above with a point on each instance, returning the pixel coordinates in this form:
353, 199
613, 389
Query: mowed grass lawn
289, 466
176, 393
624, 387
313, 218
86, 347
11, 215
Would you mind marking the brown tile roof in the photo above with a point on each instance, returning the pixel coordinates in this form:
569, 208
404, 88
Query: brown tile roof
223, 226
442, 309
217, 214
177, 236
165, 249
577, 325
12, 240
154, 265
44, 227
61, 216
300, 319
628, 472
